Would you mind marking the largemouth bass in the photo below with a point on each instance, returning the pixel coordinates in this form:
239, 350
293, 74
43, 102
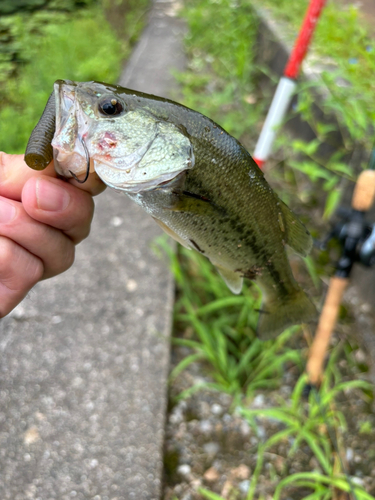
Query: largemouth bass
198, 183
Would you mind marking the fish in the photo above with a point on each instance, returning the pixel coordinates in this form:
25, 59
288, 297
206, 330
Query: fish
198, 183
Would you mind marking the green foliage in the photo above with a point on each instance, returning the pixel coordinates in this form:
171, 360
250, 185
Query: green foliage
209, 495
11, 6
341, 38
318, 425
53, 46
327, 159
224, 328
219, 327
231, 54
220, 80
13, 49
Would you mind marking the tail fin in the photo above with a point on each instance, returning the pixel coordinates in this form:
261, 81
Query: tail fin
277, 315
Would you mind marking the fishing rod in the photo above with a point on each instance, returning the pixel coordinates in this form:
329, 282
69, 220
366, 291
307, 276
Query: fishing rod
356, 235
287, 83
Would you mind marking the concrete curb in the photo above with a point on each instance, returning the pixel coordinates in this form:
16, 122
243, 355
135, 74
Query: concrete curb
84, 358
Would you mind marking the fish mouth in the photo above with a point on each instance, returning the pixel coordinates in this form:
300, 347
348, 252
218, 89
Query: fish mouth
65, 96
68, 151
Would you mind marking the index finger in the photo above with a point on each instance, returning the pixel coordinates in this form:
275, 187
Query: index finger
14, 173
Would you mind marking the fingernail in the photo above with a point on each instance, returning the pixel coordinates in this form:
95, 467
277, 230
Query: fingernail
51, 197
7, 212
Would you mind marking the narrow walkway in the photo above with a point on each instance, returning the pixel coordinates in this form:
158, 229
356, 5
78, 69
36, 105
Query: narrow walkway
84, 358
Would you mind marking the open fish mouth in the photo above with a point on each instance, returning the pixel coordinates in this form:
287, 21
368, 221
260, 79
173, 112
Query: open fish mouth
68, 151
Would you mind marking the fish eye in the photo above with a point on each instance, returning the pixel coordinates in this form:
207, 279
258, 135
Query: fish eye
110, 106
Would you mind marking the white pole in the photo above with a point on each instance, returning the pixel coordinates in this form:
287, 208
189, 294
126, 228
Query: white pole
279, 106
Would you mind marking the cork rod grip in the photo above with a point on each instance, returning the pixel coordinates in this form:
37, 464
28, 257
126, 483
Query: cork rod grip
364, 191
327, 322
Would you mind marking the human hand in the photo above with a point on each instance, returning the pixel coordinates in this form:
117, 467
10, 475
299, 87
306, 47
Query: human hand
42, 218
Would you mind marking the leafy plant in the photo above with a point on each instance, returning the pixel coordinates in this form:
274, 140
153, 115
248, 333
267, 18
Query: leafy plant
224, 329
318, 424
220, 79
53, 45
220, 328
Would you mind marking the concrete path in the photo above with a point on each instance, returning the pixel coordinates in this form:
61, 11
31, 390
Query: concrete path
84, 359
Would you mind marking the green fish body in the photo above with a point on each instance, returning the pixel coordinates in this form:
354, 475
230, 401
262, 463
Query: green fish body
195, 180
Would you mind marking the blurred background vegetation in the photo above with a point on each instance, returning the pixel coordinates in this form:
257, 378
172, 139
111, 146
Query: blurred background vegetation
45, 40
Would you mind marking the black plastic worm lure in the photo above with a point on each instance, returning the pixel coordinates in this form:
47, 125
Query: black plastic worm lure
39, 152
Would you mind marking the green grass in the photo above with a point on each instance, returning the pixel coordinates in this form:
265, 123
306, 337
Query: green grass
318, 425
82, 47
219, 330
220, 80
224, 326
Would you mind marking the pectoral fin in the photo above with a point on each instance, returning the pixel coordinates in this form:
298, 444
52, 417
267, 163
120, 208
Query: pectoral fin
172, 234
233, 280
191, 203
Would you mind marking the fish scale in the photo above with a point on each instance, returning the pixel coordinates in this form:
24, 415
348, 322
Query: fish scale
197, 181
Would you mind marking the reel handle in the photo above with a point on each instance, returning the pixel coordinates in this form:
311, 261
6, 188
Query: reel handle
327, 322
364, 191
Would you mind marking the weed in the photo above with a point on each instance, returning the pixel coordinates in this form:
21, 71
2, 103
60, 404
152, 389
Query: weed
220, 80
318, 424
54, 46
224, 326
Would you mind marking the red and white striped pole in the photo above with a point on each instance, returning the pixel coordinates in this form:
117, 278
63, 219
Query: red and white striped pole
287, 83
